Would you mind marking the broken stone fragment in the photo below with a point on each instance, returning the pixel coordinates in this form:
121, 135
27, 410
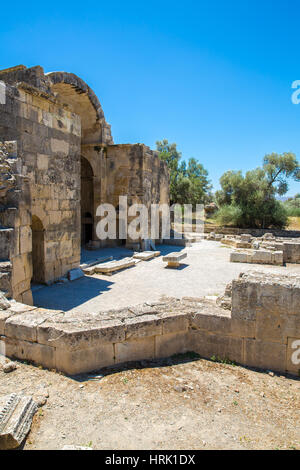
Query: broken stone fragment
74, 274
16, 413
4, 303
9, 367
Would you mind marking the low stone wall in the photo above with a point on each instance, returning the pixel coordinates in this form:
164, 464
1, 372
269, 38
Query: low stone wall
257, 257
255, 232
261, 330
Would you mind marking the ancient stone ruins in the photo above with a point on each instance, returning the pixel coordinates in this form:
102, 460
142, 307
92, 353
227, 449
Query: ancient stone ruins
58, 163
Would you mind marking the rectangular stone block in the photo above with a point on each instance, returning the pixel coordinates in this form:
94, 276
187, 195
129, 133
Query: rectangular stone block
146, 325
265, 355
213, 323
135, 350
79, 335
237, 257
4, 315
24, 325
16, 413
173, 323
27, 351
169, 344
84, 360
209, 345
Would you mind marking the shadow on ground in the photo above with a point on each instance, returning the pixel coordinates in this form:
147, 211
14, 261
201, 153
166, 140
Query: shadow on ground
70, 295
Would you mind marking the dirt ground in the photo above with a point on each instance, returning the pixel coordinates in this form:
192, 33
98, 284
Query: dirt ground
179, 403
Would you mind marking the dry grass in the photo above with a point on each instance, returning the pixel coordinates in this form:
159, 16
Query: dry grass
294, 223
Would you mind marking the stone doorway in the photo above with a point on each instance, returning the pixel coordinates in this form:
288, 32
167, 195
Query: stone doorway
38, 250
87, 202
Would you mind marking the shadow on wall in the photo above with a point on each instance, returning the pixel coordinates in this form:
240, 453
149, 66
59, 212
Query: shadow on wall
70, 295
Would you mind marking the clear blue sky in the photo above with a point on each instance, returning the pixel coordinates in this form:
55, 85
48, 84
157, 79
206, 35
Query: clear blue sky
213, 76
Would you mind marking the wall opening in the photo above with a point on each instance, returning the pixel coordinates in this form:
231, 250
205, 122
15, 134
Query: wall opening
87, 202
38, 250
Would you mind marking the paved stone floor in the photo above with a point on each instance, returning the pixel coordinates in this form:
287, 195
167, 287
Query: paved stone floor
205, 271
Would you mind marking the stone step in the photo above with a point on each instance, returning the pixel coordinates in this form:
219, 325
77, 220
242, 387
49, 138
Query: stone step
16, 413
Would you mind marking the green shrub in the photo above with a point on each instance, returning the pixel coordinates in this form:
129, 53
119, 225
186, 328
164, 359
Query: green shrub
229, 215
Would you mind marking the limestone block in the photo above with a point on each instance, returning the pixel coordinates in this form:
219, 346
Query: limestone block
174, 322
144, 255
116, 265
60, 146
42, 161
4, 315
293, 356
214, 323
84, 360
243, 329
25, 239
277, 258
26, 351
237, 257
135, 350
208, 345
173, 259
27, 297
75, 274
146, 325
265, 355
24, 325
169, 344
261, 257
76, 334
16, 413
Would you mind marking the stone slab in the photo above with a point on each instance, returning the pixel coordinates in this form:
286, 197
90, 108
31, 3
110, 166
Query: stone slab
116, 265
144, 255
16, 413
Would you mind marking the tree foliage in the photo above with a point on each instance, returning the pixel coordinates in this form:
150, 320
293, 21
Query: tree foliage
255, 193
189, 183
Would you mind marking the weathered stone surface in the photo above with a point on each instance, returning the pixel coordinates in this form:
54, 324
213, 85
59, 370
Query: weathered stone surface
144, 255
173, 259
112, 266
75, 274
66, 165
16, 413
135, 350
24, 325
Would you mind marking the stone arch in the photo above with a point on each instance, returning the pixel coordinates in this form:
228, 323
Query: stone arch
38, 250
72, 90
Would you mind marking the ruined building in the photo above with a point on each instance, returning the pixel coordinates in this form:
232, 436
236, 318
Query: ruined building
58, 162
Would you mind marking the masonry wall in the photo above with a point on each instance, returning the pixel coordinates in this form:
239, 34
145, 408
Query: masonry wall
15, 231
262, 331
48, 139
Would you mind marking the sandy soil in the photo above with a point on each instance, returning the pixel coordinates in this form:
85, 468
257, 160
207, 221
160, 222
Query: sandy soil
179, 403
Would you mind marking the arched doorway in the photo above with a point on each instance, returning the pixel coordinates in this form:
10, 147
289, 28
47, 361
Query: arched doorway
87, 202
38, 250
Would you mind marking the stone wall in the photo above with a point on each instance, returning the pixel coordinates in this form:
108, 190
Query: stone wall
48, 139
255, 232
262, 330
57, 122
15, 231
